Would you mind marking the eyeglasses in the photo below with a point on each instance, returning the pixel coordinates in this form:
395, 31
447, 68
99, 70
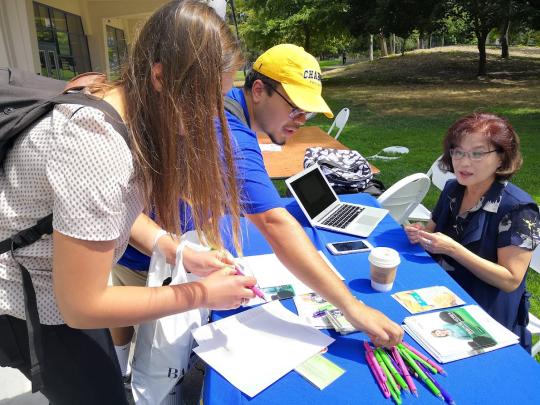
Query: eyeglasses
475, 155
296, 113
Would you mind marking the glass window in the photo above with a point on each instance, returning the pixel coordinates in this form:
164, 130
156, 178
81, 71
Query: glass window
74, 24
63, 43
59, 20
63, 47
116, 50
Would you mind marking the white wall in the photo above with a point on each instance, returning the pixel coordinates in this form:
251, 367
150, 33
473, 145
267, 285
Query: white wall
17, 35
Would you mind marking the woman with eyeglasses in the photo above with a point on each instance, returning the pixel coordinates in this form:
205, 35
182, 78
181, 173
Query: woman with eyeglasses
484, 229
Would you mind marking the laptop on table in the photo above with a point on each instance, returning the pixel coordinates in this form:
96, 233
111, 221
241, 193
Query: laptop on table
322, 207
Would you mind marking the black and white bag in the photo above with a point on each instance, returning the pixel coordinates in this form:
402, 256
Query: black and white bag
347, 171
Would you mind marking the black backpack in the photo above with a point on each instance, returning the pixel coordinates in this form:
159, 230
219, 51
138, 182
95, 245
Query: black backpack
25, 98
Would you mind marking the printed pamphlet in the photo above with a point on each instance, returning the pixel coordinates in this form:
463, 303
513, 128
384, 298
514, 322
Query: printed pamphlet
458, 333
427, 299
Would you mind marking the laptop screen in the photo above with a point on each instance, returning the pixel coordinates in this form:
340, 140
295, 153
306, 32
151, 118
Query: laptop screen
313, 192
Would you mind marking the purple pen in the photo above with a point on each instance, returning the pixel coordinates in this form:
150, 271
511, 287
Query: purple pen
447, 398
255, 289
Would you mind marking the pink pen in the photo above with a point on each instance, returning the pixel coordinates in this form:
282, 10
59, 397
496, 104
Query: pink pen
404, 370
255, 289
430, 362
376, 370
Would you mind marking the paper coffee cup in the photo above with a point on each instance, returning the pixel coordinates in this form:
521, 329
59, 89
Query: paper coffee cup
383, 265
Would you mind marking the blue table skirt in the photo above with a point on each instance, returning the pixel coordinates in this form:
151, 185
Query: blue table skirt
505, 376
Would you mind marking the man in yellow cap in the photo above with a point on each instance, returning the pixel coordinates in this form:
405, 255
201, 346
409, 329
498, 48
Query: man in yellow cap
283, 86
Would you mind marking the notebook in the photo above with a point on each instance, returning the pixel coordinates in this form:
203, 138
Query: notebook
323, 209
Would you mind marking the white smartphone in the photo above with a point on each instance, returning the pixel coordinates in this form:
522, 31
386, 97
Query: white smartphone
349, 246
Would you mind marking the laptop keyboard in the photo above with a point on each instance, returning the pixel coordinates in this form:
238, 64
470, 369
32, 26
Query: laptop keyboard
343, 216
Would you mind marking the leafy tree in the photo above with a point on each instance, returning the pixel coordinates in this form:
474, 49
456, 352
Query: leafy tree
482, 16
317, 25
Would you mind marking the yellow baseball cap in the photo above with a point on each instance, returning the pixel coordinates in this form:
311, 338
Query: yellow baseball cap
299, 74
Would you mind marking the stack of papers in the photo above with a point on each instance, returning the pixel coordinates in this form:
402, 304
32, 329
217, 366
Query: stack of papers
312, 308
427, 299
458, 333
255, 348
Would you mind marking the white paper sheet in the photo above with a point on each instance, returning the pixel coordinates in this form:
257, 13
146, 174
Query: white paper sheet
255, 348
270, 272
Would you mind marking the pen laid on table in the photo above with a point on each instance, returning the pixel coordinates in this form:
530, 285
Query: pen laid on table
404, 370
375, 369
448, 399
255, 289
397, 377
420, 373
432, 363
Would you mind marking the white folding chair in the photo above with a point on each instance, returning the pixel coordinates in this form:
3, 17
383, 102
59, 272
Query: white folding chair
403, 197
438, 179
534, 322
339, 121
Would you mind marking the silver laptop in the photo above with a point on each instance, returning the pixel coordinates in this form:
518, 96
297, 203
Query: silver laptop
324, 210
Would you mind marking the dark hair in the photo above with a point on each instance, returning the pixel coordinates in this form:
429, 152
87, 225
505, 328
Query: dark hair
497, 130
270, 84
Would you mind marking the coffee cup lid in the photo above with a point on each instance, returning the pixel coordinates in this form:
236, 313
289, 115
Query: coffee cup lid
384, 257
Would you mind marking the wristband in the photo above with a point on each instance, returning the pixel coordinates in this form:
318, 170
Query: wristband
158, 236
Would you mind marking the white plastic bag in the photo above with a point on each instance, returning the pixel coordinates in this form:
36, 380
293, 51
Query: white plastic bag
163, 346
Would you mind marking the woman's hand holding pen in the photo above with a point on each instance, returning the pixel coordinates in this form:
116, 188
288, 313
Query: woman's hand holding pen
381, 330
224, 289
204, 263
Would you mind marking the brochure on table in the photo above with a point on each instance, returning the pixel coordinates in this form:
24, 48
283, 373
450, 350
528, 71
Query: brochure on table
458, 333
427, 299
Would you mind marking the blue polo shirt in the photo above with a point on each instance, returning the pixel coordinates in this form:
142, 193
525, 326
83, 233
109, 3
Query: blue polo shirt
257, 192
504, 216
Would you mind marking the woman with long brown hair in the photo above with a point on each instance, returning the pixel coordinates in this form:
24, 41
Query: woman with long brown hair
75, 164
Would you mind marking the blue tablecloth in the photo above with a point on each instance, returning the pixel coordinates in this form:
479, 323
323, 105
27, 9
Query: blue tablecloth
504, 376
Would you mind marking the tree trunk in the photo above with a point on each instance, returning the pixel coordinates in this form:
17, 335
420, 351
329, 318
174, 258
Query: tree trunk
430, 41
392, 44
504, 39
442, 39
371, 47
418, 43
481, 36
307, 38
382, 42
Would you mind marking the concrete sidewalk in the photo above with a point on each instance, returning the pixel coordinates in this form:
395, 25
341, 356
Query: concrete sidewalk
15, 389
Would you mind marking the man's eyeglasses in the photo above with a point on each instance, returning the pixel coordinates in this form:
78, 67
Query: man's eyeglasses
296, 113
476, 155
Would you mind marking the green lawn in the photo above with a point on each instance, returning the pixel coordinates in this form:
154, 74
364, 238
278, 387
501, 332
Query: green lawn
412, 100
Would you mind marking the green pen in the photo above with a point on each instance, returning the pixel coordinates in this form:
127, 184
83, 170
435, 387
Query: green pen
421, 360
396, 396
420, 373
397, 376
389, 377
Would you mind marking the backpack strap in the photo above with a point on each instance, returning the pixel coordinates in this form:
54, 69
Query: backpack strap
235, 109
25, 238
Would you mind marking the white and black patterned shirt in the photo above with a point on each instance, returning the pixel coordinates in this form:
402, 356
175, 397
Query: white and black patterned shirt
80, 169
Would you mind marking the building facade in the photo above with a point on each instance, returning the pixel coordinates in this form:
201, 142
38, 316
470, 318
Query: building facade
63, 38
